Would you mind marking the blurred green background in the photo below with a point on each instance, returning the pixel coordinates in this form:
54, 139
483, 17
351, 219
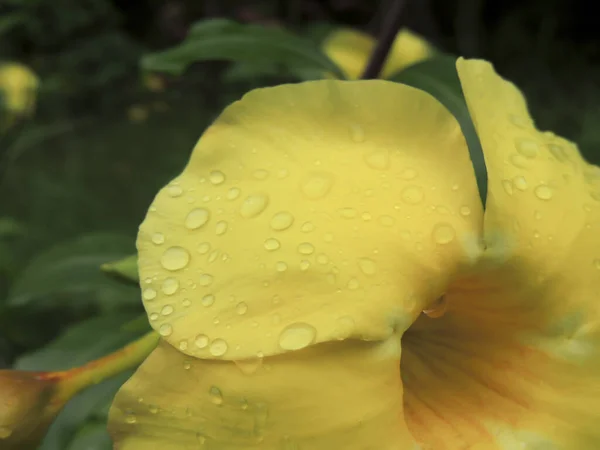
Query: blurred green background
77, 177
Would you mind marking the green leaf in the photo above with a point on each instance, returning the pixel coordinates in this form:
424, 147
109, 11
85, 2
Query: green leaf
438, 77
222, 39
93, 436
82, 343
72, 269
125, 268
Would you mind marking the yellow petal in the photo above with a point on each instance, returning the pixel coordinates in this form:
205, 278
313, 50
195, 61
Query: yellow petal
351, 49
515, 361
345, 395
310, 213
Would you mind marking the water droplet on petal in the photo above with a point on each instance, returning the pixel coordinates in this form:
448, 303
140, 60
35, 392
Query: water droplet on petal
216, 177
344, 326
306, 248
437, 309
167, 310
148, 294
153, 409
216, 396
253, 205
409, 174
203, 248
183, 345
205, 279
260, 174
379, 159
233, 193
272, 244
348, 213
218, 347
412, 194
153, 316
520, 183
353, 284
221, 227
443, 233
280, 266
175, 258
307, 227
208, 300
465, 211
170, 286
174, 190
297, 336
520, 161
508, 187
165, 330
250, 366
527, 147
304, 265
197, 218
543, 192
367, 266
158, 238
282, 221
241, 308
317, 185
201, 341
130, 417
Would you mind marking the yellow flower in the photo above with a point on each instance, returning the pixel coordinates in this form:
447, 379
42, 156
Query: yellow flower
350, 49
18, 89
288, 267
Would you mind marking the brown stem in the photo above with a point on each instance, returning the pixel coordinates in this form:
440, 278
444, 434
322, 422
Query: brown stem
390, 28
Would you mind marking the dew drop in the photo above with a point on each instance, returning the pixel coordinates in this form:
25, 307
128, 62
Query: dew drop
357, 134
153, 409
253, 205
158, 238
148, 294
322, 258
518, 121
543, 192
297, 336
130, 418
175, 258
260, 174
203, 248
218, 347
167, 310
281, 266
409, 174
353, 284
272, 244
412, 195
367, 266
250, 366
205, 279
174, 190
520, 183
201, 341
221, 227
233, 193
282, 221
527, 147
208, 300
508, 187
465, 211
307, 227
196, 218
520, 161
183, 345
153, 316
443, 233
558, 152
348, 213
216, 396
344, 326
241, 308
170, 286
379, 159
216, 177
213, 256
306, 248
316, 186
165, 330
437, 309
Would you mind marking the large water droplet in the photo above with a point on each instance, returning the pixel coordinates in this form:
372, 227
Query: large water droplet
165, 330
317, 185
233, 193
437, 309
306, 248
412, 194
158, 238
253, 205
544, 192
272, 244
527, 147
241, 308
170, 286
218, 347
367, 266
167, 310
175, 258
148, 294
216, 396
520, 161
201, 341
221, 227
216, 177
443, 233
208, 300
174, 190
297, 336
197, 218
379, 159
282, 221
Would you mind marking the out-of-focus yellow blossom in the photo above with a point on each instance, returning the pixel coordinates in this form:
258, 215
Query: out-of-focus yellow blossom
138, 113
350, 50
153, 82
18, 91
324, 277
30, 401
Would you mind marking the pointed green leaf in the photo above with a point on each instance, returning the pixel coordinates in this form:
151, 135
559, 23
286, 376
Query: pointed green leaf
125, 268
230, 41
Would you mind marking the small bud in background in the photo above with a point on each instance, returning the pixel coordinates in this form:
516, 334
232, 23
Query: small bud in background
18, 91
